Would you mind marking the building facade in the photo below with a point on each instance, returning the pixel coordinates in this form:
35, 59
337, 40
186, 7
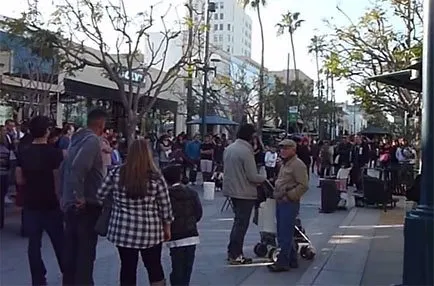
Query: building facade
353, 119
230, 27
70, 96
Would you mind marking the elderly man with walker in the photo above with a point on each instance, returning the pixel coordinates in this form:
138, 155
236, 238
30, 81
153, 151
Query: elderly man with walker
292, 182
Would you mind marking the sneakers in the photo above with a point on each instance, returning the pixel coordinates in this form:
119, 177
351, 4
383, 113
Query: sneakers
240, 260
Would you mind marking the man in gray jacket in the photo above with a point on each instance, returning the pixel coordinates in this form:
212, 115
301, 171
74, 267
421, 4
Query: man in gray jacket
82, 175
241, 179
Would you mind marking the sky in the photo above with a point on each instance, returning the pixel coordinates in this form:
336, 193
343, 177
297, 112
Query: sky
276, 48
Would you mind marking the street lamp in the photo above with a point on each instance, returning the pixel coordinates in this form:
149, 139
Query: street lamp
211, 8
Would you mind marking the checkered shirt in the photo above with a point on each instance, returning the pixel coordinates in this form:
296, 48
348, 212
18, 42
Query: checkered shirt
137, 223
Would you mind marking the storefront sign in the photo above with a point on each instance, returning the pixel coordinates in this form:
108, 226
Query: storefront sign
133, 76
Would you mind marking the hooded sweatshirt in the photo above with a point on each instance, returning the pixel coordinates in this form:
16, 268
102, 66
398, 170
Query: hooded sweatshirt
82, 170
187, 211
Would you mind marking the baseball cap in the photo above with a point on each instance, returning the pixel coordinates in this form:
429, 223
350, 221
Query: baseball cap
287, 143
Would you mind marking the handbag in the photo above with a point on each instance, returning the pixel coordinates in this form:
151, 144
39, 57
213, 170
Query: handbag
102, 224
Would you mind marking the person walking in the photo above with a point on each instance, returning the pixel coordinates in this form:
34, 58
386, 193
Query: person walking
37, 174
291, 184
206, 158
4, 173
241, 178
82, 175
270, 163
187, 211
141, 214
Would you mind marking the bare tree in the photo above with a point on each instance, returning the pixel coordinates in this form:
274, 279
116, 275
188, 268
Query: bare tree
139, 82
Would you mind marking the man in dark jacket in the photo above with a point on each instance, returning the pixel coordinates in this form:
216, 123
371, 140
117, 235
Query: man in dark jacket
359, 160
187, 210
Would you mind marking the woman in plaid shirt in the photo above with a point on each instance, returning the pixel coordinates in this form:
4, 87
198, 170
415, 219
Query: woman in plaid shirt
141, 214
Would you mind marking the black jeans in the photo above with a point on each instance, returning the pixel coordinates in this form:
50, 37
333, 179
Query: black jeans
80, 245
151, 258
36, 222
182, 265
271, 172
243, 210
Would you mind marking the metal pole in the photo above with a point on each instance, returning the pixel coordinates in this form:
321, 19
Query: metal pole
333, 108
190, 68
419, 223
286, 95
205, 71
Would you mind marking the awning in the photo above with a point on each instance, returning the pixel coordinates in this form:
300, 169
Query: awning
400, 79
373, 130
213, 120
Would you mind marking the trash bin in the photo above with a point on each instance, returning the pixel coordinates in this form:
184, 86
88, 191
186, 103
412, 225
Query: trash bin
330, 195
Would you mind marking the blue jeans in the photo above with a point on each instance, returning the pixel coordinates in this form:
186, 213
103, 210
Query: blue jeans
286, 213
182, 265
36, 222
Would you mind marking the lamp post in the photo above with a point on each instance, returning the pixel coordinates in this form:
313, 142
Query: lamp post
210, 8
286, 96
418, 229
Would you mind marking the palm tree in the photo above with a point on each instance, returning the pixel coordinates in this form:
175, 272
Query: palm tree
290, 22
256, 5
317, 46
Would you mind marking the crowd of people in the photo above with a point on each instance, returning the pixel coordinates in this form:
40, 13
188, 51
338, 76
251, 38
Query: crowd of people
77, 184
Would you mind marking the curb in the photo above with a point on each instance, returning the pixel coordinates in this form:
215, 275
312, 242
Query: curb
312, 272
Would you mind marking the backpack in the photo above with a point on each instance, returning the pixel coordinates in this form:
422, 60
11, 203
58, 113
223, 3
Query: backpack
407, 153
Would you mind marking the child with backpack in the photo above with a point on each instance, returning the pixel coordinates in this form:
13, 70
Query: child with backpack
187, 211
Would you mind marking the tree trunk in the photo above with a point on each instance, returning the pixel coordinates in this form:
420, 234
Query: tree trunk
132, 121
297, 76
261, 74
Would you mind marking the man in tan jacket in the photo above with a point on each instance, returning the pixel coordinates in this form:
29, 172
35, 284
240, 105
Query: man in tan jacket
292, 182
241, 178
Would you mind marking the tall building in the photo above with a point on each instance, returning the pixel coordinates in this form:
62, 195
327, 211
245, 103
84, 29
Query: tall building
230, 27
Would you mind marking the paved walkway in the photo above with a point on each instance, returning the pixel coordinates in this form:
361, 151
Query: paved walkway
366, 250
345, 242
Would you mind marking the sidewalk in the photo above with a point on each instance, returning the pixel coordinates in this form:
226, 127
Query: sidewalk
350, 247
366, 250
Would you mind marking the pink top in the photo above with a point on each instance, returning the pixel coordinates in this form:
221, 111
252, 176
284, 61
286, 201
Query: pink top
106, 151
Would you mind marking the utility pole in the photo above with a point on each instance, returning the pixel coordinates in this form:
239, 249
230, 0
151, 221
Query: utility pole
327, 104
286, 97
333, 101
189, 84
319, 88
210, 7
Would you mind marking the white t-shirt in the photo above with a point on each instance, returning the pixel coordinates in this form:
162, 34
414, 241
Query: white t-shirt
270, 159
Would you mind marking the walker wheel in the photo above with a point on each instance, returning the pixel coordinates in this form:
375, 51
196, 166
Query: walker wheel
260, 250
307, 252
273, 254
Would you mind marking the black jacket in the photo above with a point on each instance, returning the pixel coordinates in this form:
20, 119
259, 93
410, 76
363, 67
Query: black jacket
187, 211
304, 153
360, 155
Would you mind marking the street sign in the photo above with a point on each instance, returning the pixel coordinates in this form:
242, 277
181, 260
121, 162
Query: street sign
293, 109
293, 114
293, 117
